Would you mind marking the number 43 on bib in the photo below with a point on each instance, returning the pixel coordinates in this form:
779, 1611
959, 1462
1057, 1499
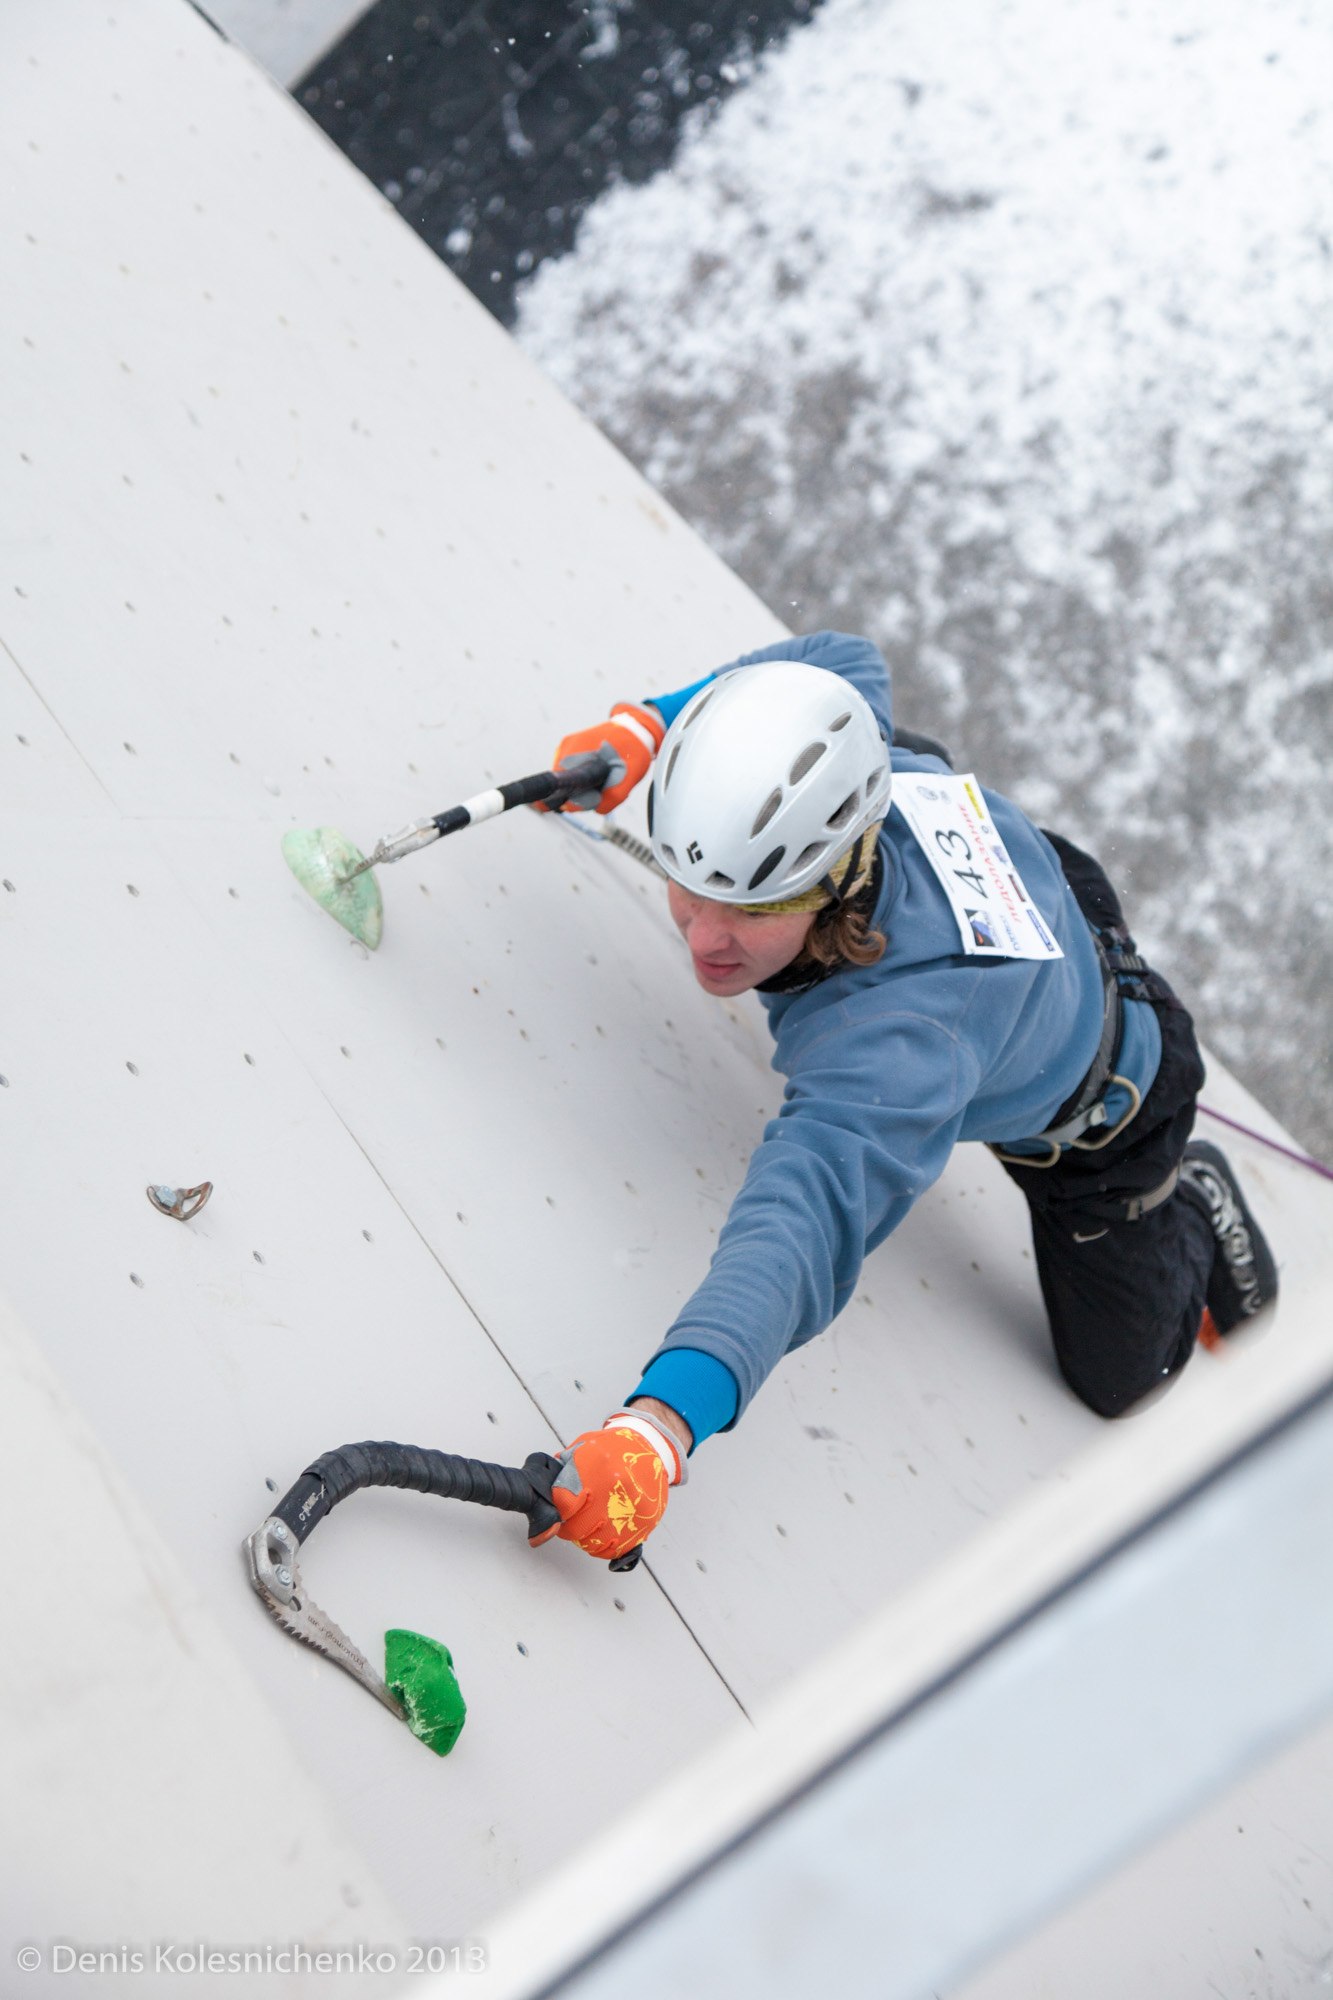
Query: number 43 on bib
996, 916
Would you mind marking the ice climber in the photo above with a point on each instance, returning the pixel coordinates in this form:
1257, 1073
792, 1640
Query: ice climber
934, 968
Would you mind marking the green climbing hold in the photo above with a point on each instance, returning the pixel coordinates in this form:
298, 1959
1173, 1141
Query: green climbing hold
321, 860
420, 1672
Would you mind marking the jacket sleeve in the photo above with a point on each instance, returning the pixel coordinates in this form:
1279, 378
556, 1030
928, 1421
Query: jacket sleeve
840, 652
857, 660
874, 1105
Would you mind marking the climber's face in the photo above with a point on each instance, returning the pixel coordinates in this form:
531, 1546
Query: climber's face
733, 949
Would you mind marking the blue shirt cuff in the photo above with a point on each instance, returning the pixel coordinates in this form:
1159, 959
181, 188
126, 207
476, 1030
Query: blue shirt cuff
668, 707
702, 1389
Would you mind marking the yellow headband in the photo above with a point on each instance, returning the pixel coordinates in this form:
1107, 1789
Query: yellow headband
818, 897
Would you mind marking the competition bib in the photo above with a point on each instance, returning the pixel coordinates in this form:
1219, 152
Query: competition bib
996, 916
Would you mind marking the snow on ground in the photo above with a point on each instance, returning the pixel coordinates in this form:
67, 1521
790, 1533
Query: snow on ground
1000, 329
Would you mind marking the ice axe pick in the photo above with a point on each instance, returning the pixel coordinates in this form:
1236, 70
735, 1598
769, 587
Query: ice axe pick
340, 877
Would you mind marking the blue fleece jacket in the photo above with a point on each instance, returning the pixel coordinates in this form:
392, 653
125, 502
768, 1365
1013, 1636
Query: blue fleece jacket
888, 1066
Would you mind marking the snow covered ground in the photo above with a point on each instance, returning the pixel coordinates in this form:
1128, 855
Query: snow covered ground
999, 329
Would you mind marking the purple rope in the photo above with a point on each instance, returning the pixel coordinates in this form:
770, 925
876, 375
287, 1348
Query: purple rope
1301, 1159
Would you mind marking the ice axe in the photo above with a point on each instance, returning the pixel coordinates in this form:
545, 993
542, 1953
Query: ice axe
418, 1684
339, 876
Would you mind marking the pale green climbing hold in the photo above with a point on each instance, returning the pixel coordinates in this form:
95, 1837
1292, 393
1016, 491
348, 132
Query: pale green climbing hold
321, 860
420, 1672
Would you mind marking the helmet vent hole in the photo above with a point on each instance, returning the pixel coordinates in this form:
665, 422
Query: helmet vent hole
695, 713
840, 818
717, 880
671, 765
670, 854
766, 812
652, 802
807, 760
879, 784
841, 722
766, 867
808, 855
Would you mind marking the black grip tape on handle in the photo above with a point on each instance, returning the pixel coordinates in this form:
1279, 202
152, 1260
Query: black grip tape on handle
516, 1489
454, 820
581, 774
587, 773
531, 791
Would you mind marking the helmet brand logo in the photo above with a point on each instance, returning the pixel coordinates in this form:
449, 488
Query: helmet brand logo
694, 851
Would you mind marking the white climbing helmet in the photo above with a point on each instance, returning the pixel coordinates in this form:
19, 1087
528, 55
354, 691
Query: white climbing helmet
766, 777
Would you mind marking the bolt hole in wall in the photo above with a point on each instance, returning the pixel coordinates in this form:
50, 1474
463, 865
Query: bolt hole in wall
492, 128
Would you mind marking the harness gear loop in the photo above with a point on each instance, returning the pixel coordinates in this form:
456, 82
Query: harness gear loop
1121, 967
1112, 1131
1141, 1204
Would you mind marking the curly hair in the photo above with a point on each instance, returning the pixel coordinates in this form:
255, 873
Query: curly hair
844, 936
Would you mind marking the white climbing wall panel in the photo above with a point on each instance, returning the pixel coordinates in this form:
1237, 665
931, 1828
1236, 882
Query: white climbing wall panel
143, 1774
286, 36
292, 534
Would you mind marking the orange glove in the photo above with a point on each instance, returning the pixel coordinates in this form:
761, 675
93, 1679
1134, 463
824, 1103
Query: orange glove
611, 1490
630, 744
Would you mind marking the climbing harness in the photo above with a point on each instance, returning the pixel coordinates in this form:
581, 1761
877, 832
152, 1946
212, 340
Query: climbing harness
1121, 968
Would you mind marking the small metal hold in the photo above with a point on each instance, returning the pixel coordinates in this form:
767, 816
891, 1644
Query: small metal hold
180, 1202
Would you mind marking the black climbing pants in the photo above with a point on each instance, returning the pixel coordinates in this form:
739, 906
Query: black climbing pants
1124, 1298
